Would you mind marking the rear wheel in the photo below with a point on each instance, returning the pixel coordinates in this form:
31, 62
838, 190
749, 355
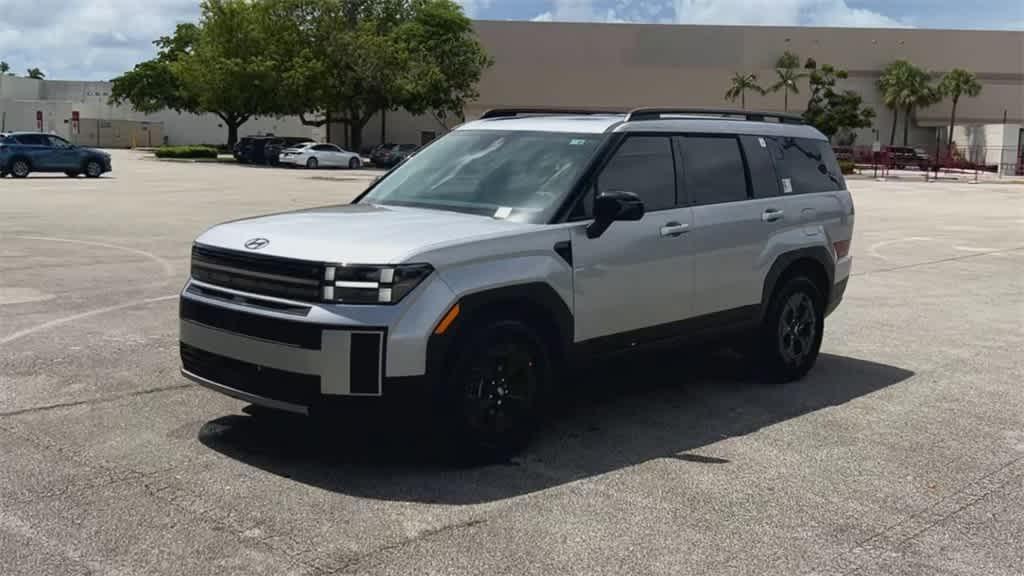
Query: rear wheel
790, 336
495, 387
312, 163
20, 168
354, 163
93, 169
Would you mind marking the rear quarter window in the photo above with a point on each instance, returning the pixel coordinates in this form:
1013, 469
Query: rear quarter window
805, 166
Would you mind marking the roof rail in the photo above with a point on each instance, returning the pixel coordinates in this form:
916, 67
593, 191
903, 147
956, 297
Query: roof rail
658, 113
511, 112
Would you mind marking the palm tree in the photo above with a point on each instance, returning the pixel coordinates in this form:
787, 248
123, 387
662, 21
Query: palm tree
905, 87
786, 68
740, 84
956, 83
35, 73
890, 85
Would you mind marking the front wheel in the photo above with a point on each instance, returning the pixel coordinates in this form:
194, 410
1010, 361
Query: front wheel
93, 169
312, 163
354, 163
495, 387
790, 335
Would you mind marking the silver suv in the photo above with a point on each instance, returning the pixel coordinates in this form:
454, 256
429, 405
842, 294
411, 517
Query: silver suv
475, 274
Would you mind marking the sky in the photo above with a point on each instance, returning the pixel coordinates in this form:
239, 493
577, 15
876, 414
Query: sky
99, 39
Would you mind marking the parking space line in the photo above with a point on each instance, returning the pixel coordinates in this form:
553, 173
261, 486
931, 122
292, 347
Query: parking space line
166, 265
89, 314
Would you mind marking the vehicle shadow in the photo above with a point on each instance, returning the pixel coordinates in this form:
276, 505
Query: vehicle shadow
625, 413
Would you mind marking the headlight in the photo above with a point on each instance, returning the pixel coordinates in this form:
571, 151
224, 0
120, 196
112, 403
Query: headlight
366, 284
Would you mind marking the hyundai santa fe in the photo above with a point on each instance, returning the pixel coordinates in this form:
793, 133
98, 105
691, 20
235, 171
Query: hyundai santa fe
476, 274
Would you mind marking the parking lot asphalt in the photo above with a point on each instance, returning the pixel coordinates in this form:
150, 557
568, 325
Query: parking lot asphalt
901, 453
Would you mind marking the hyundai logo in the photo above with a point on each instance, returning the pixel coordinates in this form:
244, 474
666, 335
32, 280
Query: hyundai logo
256, 243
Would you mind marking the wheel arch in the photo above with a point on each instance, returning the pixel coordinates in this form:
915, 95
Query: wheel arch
815, 261
536, 303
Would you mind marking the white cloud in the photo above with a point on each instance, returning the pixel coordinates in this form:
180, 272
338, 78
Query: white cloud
750, 12
86, 39
473, 7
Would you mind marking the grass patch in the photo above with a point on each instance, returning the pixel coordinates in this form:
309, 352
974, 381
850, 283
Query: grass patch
847, 166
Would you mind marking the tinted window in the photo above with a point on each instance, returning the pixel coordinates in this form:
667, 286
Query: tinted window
57, 142
806, 166
323, 147
644, 166
759, 163
32, 139
713, 168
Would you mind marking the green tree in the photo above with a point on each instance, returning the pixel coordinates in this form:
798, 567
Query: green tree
5, 68
904, 88
832, 110
740, 84
787, 70
35, 73
956, 83
346, 60
153, 85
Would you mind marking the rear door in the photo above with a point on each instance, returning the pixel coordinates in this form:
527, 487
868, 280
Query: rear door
736, 211
37, 148
636, 279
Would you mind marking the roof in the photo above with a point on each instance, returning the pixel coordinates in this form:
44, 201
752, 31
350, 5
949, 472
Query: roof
600, 123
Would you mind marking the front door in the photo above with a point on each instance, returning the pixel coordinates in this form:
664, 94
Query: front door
636, 278
62, 156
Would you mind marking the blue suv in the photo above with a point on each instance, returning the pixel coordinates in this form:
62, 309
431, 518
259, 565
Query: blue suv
25, 152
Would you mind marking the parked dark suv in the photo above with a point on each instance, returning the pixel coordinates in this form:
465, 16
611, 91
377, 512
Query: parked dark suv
25, 152
273, 148
903, 156
388, 156
249, 150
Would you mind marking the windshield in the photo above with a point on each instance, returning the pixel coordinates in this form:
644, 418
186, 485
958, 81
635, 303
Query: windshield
521, 176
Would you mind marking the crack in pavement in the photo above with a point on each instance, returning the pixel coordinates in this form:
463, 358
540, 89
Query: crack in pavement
94, 401
939, 261
887, 541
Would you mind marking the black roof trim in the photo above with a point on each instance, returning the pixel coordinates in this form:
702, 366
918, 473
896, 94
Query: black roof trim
640, 114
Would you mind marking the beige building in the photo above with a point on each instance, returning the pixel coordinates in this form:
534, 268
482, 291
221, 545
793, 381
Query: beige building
619, 66
615, 67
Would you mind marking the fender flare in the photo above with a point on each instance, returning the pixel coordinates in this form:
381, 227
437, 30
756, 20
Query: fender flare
818, 254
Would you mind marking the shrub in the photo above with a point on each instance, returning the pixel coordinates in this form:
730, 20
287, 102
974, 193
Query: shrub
846, 166
186, 152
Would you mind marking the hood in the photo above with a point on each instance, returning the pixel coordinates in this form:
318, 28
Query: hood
356, 233
95, 151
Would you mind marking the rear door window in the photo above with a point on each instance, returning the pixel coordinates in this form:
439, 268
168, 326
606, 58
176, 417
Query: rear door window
713, 169
806, 166
32, 139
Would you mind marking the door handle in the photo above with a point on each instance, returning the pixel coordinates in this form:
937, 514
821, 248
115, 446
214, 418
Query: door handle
674, 229
772, 215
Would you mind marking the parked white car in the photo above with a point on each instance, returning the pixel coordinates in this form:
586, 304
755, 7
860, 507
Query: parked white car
313, 155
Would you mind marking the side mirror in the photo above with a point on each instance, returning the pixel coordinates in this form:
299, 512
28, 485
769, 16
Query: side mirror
612, 206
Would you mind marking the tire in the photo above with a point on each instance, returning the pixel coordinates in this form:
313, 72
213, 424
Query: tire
20, 168
790, 336
312, 163
71, 174
354, 163
93, 169
494, 390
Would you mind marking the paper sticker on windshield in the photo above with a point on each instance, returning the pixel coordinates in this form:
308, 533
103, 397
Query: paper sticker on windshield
787, 186
762, 142
577, 142
503, 212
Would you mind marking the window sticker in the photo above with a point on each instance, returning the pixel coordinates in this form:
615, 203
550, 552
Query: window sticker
503, 212
762, 142
787, 186
577, 142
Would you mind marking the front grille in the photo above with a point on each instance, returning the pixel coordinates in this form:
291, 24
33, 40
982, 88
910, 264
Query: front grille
301, 334
258, 380
257, 274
